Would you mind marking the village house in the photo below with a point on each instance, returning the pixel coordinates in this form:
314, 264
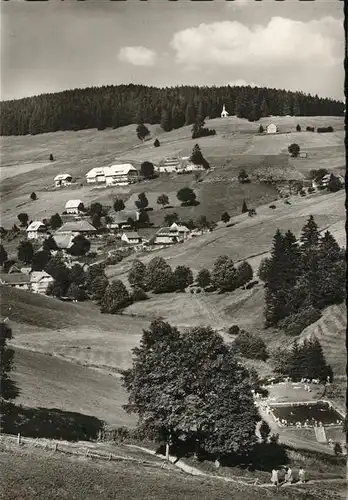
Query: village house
121, 175
326, 179
174, 234
15, 280
76, 227
74, 207
36, 230
39, 281
272, 128
96, 175
132, 238
63, 241
169, 165
62, 180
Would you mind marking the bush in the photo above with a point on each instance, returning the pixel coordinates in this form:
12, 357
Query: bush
139, 294
294, 150
157, 143
198, 290
250, 346
298, 128
210, 288
272, 207
302, 192
261, 129
310, 129
33, 196
51, 157
234, 330
297, 322
311, 190
322, 130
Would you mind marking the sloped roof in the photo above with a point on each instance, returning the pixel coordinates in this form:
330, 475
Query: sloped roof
63, 241
163, 230
122, 169
96, 171
76, 226
61, 177
35, 225
73, 203
15, 278
36, 276
132, 235
179, 227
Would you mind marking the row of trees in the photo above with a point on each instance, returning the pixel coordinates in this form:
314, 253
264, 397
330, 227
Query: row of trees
117, 106
301, 278
302, 360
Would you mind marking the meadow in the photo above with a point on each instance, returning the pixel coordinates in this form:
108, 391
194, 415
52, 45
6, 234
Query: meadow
73, 348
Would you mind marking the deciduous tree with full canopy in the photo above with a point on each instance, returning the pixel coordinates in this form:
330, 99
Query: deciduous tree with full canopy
191, 384
142, 202
163, 200
80, 246
56, 221
137, 273
119, 205
23, 219
116, 297
159, 276
294, 150
203, 278
187, 196
25, 251
224, 274
147, 170
182, 277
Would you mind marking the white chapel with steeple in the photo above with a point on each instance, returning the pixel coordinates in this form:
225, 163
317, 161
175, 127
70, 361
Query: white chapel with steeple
224, 113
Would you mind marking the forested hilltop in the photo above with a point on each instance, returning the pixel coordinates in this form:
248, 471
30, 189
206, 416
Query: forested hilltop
117, 106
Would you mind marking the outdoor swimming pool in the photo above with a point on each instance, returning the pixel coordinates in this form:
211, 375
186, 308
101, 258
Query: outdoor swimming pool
319, 411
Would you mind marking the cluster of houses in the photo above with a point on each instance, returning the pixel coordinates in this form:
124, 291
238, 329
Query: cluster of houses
125, 173
25, 279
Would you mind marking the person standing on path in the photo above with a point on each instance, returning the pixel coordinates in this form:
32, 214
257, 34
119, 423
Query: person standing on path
274, 477
301, 475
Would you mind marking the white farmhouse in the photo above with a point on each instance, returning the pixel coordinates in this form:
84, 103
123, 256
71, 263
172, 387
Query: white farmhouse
36, 230
39, 281
174, 234
132, 238
62, 180
272, 128
326, 179
96, 175
74, 206
224, 113
169, 165
121, 175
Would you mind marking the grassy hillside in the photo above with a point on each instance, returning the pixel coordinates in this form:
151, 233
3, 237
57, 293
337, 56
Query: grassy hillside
43, 475
236, 145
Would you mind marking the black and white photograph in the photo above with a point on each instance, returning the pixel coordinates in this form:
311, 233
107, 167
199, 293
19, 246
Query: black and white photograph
173, 250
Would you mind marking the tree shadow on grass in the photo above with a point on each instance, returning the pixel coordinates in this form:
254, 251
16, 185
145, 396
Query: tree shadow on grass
49, 423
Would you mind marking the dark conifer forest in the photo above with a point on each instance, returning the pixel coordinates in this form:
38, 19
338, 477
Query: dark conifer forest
117, 106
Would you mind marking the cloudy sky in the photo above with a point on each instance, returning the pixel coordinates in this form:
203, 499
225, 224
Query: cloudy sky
47, 47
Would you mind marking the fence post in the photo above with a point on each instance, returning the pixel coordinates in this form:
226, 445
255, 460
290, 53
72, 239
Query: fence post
19, 438
87, 452
56, 447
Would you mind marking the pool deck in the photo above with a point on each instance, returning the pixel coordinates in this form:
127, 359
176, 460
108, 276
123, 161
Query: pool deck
287, 393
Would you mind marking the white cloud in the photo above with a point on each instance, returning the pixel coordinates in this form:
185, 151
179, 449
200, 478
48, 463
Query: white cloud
280, 42
242, 83
139, 56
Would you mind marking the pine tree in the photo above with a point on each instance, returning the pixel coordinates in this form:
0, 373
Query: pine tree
9, 390
119, 205
25, 252
244, 207
157, 143
190, 115
225, 217
310, 234
264, 108
56, 221
3, 255
177, 117
329, 249
166, 122
197, 157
